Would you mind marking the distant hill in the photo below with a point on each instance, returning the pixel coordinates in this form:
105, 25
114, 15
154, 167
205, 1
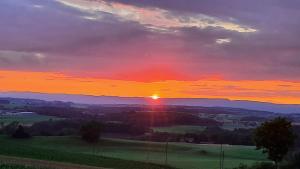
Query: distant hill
87, 99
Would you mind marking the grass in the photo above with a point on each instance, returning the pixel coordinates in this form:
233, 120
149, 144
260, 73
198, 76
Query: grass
26, 119
180, 129
9, 166
232, 127
181, 155
41, 164
65, 149
183, 129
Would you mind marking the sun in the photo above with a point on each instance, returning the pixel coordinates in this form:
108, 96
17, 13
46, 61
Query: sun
155, 97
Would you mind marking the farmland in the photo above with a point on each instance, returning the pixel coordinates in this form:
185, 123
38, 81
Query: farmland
179, 129
117, 153
183, 129
25, 118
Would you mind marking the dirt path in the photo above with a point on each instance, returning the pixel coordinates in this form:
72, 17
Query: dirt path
42, 164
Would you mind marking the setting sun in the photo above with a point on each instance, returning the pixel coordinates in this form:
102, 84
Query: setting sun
155, 97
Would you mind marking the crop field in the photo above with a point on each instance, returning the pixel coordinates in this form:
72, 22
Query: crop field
26, 118
125, 154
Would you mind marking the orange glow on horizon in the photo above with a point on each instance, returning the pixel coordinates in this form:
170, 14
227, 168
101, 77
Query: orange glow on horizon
155, 97
45, 82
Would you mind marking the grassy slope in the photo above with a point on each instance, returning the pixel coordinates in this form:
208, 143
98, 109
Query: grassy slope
5, 166
41, 164
64, 150
181, 155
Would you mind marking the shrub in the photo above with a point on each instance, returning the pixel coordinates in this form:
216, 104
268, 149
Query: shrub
10, 128
257, 166
91, 131
20, 133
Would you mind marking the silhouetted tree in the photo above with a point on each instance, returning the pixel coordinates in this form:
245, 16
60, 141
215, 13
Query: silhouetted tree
275, 137
91, 131
20, 133
10, 128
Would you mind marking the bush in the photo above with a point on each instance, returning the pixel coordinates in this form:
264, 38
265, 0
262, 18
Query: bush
10, 128
55, 128
257, 166
91, 131
292, 161
20, 133
263, 166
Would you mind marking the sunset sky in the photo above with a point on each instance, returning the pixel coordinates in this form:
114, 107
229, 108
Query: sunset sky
237, 49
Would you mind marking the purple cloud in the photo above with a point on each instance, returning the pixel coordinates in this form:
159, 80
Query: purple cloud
241, 40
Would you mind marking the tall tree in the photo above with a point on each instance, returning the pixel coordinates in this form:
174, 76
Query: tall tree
275, 137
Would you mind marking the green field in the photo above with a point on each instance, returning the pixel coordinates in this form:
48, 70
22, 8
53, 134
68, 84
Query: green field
26, 119
65, 149
183, 129
181, 155
180, 129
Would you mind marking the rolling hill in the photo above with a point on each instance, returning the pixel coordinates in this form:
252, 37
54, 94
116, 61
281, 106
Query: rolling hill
87, 99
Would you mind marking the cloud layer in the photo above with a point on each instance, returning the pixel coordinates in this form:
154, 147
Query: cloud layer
153, 41
238, 40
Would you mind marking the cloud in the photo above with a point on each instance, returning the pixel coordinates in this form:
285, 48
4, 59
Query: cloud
38, 6
9, 58
162, 40
155, 18
223, 40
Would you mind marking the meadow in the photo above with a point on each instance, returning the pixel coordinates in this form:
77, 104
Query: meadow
183, 129
25, 118
10, 166
179, 129
125, 154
